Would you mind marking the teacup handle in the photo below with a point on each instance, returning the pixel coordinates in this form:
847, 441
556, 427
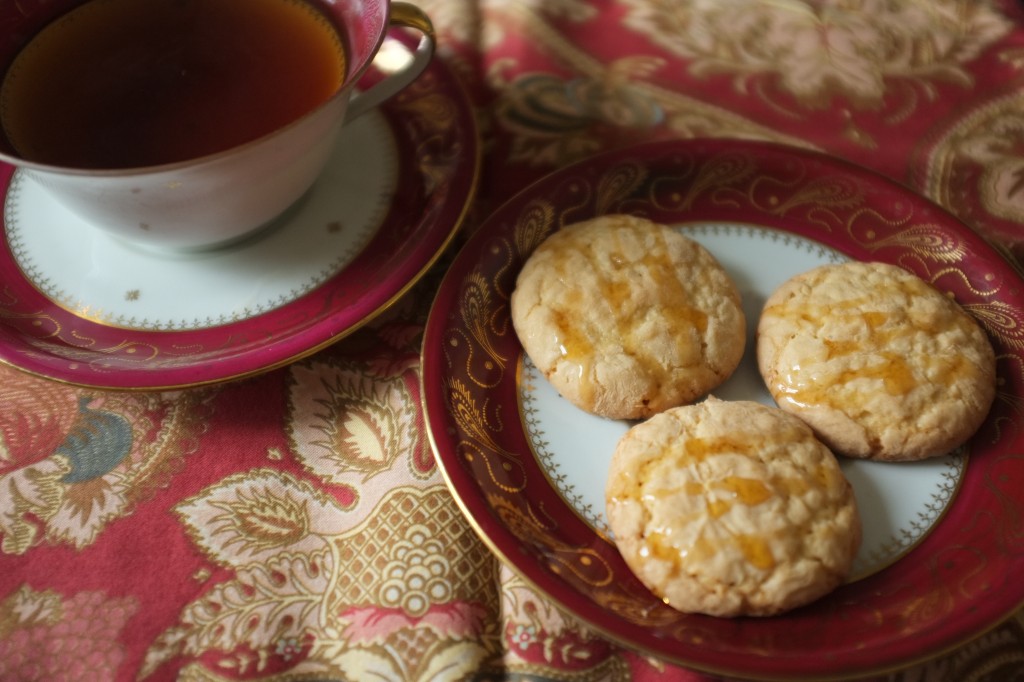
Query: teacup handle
408, 16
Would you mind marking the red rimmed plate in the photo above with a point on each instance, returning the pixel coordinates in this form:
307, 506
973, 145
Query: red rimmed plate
952, 582
80, 307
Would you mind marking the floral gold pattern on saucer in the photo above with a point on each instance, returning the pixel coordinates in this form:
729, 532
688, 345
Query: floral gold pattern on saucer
945, 578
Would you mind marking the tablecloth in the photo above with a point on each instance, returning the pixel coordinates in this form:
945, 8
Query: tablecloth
294, 525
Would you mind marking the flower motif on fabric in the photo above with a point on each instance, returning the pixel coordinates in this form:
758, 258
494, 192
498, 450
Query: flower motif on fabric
992, 141
553, 120
556, 119
818, 50
256, 516
524, 635
348, 425
71, 461
337, 557
975, 168
539, 633
288, 648
317, 588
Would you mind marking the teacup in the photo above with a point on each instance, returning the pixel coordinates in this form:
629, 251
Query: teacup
220, 197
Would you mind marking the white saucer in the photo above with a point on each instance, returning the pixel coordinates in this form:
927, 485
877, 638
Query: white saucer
97, 276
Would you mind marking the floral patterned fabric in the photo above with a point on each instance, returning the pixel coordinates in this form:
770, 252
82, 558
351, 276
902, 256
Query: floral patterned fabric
294, 525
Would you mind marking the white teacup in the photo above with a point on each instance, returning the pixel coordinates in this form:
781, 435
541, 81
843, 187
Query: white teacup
222, 197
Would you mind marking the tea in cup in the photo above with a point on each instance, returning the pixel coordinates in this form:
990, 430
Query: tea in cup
189, 124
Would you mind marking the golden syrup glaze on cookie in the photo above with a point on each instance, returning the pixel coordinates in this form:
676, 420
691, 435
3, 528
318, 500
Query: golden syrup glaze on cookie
655, 265
895, 372
617, 288
713, 496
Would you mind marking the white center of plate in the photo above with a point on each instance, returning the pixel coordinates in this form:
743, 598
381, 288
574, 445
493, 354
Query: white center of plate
898, 502
104, 279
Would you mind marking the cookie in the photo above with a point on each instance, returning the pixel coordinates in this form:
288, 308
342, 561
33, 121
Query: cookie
627, 317
731, 508
877, 361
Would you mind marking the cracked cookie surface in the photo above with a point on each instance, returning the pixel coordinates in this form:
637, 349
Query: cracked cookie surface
627, 317
878, 362
731, 508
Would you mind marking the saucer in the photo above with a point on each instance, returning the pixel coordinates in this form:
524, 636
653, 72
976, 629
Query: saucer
80, 306
99, 277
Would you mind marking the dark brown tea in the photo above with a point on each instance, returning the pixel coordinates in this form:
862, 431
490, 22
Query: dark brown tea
126, 83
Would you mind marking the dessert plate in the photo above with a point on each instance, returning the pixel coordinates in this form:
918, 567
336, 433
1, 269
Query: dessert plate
943, 537
82, 307
898, 502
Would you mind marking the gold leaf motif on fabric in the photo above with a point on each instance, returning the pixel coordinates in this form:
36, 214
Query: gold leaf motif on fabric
346, 423
520, 603
982, 148
265, 602
554, 121
32, 492
26, 608
398, 584
269, 521
804, 54
417, 525
253, 515
441, 661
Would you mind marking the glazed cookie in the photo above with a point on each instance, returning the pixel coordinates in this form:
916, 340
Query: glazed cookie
878, 362
627, 317
731, 508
